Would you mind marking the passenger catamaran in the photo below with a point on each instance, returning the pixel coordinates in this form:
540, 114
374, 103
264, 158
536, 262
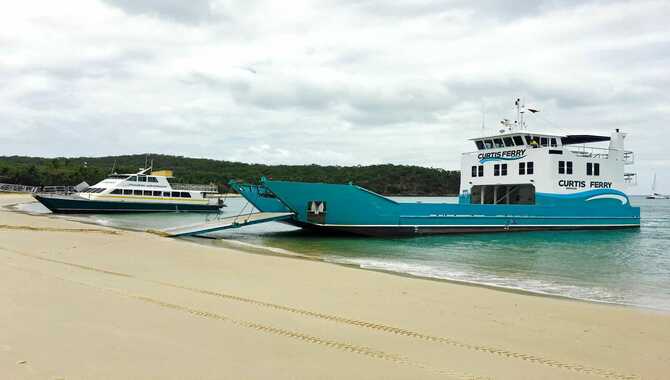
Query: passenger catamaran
144, 191
515, 180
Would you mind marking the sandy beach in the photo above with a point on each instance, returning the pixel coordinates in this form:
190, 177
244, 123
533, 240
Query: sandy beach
82, 301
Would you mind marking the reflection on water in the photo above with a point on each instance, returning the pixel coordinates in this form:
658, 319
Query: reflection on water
621, 266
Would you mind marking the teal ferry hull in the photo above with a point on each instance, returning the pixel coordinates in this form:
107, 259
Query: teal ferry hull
353, 209
71, 205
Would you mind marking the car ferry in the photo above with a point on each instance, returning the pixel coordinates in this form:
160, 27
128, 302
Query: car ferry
144, 191
515, 180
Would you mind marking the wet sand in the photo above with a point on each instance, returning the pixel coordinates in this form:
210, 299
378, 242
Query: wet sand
83, 301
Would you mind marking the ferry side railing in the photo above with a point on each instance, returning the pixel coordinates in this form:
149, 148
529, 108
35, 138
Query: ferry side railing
194, 187
590, 152
630, 178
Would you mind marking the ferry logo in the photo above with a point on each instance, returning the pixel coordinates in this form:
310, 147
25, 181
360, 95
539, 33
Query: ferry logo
506, 155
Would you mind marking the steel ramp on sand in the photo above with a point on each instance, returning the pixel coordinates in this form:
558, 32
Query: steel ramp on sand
226, 223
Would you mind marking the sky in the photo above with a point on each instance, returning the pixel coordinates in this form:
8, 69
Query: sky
329, 82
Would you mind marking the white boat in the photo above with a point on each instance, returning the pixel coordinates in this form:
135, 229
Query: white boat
144, 191
654, 194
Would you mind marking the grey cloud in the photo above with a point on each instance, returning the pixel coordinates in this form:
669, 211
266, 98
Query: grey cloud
186, 12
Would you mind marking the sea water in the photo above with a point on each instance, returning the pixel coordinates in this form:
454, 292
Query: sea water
630, 267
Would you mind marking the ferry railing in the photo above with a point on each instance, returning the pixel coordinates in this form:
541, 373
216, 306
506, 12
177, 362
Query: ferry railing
194, 187
591, 152
628, 157
630, 178
65, 190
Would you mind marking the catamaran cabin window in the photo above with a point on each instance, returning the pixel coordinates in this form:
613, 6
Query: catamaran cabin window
137, 192
480, 144
152, 179
166, 193
518, 140
185, 194
142, 178
503, 194
175, 194
116, 191
133, 178
508, 141
148, 192
499, 143
158, 193
127, 192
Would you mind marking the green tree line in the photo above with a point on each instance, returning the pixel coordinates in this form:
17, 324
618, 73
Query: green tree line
384, 179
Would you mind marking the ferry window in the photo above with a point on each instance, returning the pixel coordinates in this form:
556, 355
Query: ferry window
528, 139
166, 193
553, 142
518, 140
544, 141
508, 141
561, 167
522, 168
133, 178
496, 170
568, 167
589, 168
157, 193
481, 170
152, 179
474, 171
480, 144
488, 144
137, 192
142, 178
503, 169
529, 167
499, 143
116, 191
148, 192
127, 192
185, 194
596, 169
175, 194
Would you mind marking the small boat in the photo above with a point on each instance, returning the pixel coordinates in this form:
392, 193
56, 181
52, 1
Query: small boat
144, 191
654, 194
515, 180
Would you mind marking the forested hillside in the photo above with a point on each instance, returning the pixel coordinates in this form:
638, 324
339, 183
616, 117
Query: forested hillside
384, 179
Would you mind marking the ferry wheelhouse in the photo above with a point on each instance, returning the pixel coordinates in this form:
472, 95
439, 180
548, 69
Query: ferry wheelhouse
515, 180
144, 191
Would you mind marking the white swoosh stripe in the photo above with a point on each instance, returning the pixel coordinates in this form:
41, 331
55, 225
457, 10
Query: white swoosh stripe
621, 198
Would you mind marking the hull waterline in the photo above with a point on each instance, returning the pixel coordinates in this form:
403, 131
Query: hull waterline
69, 205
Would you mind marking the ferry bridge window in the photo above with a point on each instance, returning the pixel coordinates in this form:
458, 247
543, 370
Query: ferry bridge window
561, 167
157, 193
488, 144
496, 170
152, 179
544, 141
127, 192
137, 192
480, 144
568, 167
553, 142
481, 170
596, 169
518, 140
503, 169
508, 141
499, 143
522, 168
503, 194
529, 168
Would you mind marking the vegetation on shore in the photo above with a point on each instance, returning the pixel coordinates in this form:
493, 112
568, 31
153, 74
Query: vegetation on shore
384, 179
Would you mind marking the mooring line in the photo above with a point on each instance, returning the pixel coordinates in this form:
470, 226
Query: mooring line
307, 338
608, 374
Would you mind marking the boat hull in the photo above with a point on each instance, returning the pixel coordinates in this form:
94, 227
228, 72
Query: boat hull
72, 205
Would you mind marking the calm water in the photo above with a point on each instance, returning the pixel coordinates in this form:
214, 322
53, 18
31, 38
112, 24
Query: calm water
626, 267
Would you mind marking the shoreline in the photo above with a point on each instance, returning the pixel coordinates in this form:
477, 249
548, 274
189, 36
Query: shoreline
271, 251
132, 304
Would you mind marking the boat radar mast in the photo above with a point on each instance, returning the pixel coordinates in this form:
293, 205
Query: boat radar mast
519, 123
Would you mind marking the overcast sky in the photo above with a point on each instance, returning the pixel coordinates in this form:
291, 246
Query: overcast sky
328, 82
